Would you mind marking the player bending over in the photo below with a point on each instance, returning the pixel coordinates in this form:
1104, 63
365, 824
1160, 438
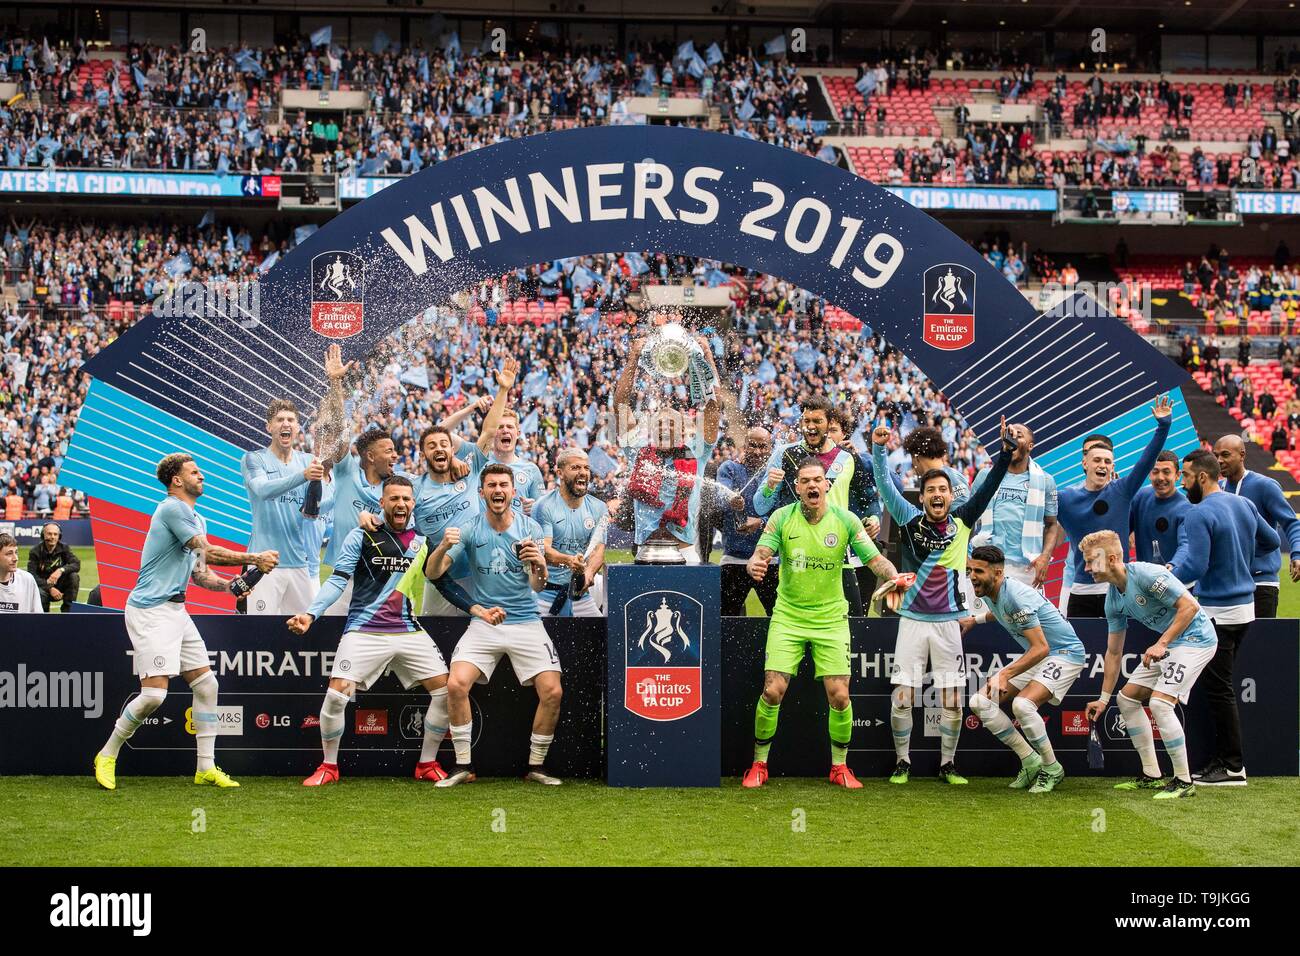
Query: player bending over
811, 536
385, 568
164, 638
932, 545
1053, 659
506, 570
1154, 597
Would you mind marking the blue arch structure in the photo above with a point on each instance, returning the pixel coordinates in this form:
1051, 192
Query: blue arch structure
204, 380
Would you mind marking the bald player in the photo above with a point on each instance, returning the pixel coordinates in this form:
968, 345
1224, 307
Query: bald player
1267, 497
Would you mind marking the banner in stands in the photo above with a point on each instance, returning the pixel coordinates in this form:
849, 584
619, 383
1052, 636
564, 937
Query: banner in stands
76, 531
73, 182
1264, 204
63, 678
355, 188
975, 199
1123, 201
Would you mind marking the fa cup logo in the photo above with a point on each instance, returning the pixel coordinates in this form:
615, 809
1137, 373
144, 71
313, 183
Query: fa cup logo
665, 623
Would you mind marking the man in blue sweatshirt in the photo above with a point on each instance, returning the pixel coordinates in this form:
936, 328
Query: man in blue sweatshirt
1266, 494
741, 529
1217, 545
1101, 503
1157, 512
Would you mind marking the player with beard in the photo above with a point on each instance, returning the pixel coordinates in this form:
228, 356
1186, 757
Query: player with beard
277, 479
506, 570
1267, 497
1053, 659
382, 635
358, 486
1157, 512
573, 538
1101, 503
447, 493
163, 637
1021, 521
1221, 535
811, 536
933, 543
497, 444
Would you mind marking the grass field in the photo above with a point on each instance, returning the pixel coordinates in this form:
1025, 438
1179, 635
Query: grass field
274, 821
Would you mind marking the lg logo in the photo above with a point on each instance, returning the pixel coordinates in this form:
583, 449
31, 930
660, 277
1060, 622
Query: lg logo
266, 720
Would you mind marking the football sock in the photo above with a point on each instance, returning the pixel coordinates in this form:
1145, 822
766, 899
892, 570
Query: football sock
538, 745
841, 727
435, 725
1031, 722
460, 739
765, 717
331, 723
949, 730
1000, 726
205, 719
133, 715
1172, 736
1138, 727
900, 722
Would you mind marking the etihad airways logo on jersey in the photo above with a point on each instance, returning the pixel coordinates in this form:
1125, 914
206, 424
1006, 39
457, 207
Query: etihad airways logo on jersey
390, 565
444, 515
77, 690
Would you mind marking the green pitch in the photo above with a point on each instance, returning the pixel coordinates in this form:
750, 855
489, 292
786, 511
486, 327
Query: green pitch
379, 821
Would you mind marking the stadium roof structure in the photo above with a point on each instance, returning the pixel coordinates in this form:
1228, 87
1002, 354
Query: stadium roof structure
1273, 18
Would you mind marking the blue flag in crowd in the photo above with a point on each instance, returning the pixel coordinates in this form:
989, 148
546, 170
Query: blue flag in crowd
552, 275
424, 67
696, 67
827, 154
303, 233
592, 75
636, 262
583, 277
269, 261
716, 277
248, 64
230, 240
746, 110
208, 219
600, 461
529, 425
140, 81
322, 37
179, 266
775, 45
417, 376
685, 52
867, 84
452, 46
713, 54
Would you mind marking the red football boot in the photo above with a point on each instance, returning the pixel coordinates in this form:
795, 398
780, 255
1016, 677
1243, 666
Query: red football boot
325, 773
431, 771
842, 776
756, 775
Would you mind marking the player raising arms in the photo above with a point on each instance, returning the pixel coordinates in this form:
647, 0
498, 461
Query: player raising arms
164, 638
932, 544
811, 536
447, 493
506, 571
1154, 597
497, 444
385, 568
278, 479
1053, 659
